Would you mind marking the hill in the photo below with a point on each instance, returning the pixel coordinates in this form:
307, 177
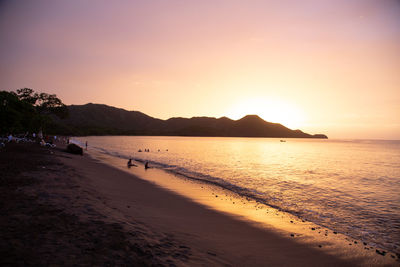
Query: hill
98, 119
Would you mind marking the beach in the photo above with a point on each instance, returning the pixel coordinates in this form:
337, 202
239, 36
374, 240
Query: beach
66, 209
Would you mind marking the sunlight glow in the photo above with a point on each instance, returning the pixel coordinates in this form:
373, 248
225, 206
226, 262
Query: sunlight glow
272, 110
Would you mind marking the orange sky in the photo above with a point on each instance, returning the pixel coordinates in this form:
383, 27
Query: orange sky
328, 67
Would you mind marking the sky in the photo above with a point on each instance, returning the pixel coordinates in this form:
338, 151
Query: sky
321, 66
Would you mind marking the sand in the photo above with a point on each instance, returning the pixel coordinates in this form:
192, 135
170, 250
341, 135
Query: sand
65, 209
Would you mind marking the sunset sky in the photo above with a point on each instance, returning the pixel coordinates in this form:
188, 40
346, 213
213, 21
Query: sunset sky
328, 67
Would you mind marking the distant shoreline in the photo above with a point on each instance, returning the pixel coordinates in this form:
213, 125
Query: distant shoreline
99, 119
274, 137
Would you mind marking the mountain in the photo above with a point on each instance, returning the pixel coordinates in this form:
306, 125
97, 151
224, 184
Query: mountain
97, 119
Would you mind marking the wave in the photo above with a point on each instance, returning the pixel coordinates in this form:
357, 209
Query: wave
184, 173
333, 207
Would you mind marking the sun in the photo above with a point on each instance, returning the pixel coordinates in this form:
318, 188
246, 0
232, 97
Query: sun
272, 110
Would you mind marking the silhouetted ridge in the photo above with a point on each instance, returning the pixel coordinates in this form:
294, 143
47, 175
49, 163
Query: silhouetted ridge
225, 119
251, 118
99, 119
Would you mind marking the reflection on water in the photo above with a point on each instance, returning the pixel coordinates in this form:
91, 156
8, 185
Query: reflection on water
350, 186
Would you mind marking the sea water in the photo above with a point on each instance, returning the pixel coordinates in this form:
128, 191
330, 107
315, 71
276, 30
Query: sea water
348, 186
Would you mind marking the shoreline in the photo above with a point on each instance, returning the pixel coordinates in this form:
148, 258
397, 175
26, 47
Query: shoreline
244, 206
254, 212
360, 204
175, 229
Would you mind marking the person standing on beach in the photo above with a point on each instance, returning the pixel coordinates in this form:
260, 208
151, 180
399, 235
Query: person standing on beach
86, 145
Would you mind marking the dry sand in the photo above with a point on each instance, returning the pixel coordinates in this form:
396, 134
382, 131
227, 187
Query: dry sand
65, 209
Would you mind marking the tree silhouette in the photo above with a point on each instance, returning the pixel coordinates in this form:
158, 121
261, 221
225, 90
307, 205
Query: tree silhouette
26, 110
27, 95
15, 115
49, 104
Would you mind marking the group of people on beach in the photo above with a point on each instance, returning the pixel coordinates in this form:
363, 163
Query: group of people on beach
146, 165
43, 140
130, 164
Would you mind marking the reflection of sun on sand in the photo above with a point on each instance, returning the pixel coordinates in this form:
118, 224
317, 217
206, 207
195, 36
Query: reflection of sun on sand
227, 227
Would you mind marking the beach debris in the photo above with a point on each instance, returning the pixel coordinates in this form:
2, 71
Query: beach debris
292, 235
211, 253
335, 233
320, 246
74, 149
313, 228
365, 243
291, 221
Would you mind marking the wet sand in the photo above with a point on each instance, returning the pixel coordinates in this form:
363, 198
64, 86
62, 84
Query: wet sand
74, 210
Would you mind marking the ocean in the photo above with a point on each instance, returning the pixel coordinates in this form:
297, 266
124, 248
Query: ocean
348, 186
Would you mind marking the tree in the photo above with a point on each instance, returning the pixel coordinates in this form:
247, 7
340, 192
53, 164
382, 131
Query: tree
26, 110
45, 104
50, 104
15, 115
27, 95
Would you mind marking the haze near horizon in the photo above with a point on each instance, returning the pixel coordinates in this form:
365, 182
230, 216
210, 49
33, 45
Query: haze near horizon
320, 66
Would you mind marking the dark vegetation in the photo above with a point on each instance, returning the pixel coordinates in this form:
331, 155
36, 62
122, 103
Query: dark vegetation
27, 111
